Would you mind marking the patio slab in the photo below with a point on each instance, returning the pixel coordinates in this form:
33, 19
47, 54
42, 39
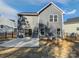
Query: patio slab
22, 42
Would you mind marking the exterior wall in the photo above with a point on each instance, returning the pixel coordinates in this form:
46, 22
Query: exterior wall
26, 25
5, 21
33, 21
71, 28
44, 17
6, 29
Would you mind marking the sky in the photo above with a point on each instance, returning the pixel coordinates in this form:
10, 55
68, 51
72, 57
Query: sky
10, 8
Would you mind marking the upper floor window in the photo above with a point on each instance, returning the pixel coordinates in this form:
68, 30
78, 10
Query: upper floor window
55, 18
51, 17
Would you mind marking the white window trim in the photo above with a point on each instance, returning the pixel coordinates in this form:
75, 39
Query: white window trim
54, 18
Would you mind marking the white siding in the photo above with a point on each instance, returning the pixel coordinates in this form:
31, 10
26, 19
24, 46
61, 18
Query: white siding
70, 28
5, 21
44, 17
33, 20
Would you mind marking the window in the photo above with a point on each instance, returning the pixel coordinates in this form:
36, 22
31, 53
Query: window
77, 28
55, 18
28, 32
42, 31
42, 28
58, 31
1, 26
51, 17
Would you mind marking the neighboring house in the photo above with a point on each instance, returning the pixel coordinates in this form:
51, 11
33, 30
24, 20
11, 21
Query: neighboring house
72, 25
46, 22
7, 25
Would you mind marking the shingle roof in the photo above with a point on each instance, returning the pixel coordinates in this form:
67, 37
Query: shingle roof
28, 13
72, 20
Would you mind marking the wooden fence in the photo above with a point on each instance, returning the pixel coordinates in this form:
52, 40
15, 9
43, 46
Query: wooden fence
8, 36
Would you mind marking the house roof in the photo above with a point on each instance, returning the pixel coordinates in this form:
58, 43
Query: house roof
72, 20
8, 22
28, 13
41, 10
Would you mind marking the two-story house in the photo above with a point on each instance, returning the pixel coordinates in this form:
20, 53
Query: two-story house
48, 21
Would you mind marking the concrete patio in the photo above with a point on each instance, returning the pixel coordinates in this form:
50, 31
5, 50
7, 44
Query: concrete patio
21, 42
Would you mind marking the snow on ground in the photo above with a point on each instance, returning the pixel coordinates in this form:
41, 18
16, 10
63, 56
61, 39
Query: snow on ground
22, 42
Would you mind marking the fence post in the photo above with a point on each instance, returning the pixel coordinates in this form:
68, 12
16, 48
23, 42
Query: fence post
5, 33
12, 34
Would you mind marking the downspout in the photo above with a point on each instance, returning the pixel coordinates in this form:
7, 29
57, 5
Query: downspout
62, 35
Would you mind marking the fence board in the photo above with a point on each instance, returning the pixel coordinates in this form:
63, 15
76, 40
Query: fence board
8, 36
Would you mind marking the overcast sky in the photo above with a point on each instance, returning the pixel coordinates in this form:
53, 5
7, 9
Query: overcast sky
9, 8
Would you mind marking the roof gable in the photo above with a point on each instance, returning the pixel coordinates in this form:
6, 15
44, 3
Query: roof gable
41, 10
51, 3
